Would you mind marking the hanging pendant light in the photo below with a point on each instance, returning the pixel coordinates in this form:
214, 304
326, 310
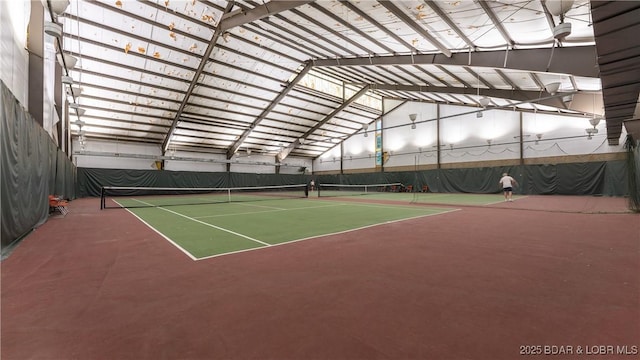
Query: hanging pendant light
53, 29
58, 7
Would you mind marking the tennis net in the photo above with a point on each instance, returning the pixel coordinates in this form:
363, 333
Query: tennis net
138, 197
325, 190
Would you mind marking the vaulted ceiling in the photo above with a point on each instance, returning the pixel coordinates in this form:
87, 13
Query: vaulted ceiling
293, 77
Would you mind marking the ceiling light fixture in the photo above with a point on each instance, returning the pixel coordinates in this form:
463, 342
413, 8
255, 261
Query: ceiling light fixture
591, 132
53, 29
67, 59
538, 137
552, 88
57, 6
413, 118
74, 91
560, 8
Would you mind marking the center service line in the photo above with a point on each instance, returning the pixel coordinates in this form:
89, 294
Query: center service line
210, 225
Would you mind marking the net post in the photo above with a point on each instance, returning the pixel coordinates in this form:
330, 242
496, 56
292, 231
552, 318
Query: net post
102, 202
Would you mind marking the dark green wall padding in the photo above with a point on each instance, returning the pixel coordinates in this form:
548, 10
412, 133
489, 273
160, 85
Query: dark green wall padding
32, 168
591, 178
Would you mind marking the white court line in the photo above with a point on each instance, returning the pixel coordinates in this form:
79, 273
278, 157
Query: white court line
206, 224
330, 234
387, 206
502, 201
260, 206
267, 211
159, 233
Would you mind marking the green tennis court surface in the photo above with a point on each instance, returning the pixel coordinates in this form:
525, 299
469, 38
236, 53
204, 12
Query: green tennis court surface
208, 230
429, 198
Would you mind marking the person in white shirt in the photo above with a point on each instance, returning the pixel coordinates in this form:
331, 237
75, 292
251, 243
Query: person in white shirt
507, 183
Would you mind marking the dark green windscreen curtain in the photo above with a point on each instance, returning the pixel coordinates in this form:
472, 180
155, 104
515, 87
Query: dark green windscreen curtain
32, 168
90, 180
593, 178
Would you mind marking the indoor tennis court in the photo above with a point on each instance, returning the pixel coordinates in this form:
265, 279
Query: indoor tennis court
551, 262
320, 180
204, 231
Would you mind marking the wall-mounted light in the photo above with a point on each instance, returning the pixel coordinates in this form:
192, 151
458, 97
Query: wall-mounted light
489, 142
538, 137
413, 118
364, 129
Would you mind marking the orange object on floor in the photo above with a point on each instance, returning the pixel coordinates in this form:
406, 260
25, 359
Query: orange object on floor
58, 204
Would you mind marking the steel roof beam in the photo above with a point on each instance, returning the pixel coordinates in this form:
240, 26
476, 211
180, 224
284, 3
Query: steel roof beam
496, 22
516, 95
479, 78
351, 27
507, 80
194, 80
413, 25
459, 79
535, 60
285, 152
232, 150
242, 17
372, 21
432, 4
537, 80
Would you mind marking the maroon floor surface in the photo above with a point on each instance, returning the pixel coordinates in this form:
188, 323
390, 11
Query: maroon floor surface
479, 283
